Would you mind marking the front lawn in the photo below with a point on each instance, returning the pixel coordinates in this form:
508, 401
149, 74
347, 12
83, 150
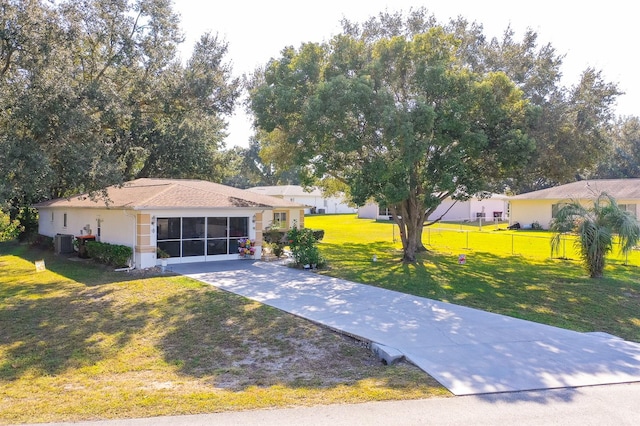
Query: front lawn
80, 342
532, 286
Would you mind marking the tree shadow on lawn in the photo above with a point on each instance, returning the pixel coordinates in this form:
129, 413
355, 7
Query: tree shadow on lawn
85, 271
73, 327
51, 321
549, 291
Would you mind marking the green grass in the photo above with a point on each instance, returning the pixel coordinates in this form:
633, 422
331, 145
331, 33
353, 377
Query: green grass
80, 342
529, 285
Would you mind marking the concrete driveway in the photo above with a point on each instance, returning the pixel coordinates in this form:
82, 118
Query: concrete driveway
467, 350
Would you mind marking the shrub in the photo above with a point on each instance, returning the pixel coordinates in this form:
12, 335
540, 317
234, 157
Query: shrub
276, 240
9, 229
42, 242
318, 234
28, 218
304, 248
109, 254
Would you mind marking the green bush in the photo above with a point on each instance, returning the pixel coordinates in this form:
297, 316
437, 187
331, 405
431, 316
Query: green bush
276, 240
42, 242
318, 234
304, 247
28, 218
109, 254
9, 229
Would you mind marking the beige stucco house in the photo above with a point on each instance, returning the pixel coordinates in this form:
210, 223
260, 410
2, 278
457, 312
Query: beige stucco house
541, 206
192, 220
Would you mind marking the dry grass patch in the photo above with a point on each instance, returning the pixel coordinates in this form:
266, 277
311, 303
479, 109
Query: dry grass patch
80, 342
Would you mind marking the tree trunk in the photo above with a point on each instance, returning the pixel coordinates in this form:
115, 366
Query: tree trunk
410, 218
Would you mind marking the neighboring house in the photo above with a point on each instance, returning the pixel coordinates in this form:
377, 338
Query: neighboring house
315, 200
541, 206
495, 207
192, 220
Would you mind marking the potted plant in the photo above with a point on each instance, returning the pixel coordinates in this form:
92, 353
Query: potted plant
163, 256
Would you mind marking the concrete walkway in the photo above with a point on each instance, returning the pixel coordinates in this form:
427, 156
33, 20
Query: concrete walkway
467, 350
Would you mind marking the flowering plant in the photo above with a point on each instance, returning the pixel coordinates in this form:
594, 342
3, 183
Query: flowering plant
246, 247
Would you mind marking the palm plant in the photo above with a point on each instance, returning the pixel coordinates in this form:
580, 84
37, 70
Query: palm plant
596, 227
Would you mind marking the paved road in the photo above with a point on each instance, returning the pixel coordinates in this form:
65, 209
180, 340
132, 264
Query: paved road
617, 405
467, 350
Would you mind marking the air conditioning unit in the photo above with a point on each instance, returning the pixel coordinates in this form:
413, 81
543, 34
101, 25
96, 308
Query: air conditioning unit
63, 243
322, 211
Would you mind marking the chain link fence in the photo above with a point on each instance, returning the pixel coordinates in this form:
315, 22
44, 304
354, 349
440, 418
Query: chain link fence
500, 241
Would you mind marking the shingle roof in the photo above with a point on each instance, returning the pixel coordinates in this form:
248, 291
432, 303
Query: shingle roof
585, 189
148, 193
285, 191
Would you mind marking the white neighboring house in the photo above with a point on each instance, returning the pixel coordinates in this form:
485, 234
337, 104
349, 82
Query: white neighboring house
315, 200
490, 209
192, 220
541, 206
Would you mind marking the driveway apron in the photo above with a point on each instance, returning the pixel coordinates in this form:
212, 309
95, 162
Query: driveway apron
467, 350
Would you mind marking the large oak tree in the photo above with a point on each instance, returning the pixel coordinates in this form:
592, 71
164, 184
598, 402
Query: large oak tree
401, 119
93, 93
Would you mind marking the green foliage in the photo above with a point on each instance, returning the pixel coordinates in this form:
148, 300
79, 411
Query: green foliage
398, 116
28, 219
595, 227
276, 239
42, 242
109, 254
9, 229
622, 159
93, 93
161, 254
304, 247
318, 234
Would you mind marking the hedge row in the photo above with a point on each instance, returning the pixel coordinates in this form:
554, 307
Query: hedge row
110, 254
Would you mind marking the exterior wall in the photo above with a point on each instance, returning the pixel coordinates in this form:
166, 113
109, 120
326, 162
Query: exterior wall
368, 211
145, 249
489, 206
525, 212
294, 217
115, 226
459, 212
330, 205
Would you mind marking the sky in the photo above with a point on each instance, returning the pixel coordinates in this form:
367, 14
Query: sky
600, 34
